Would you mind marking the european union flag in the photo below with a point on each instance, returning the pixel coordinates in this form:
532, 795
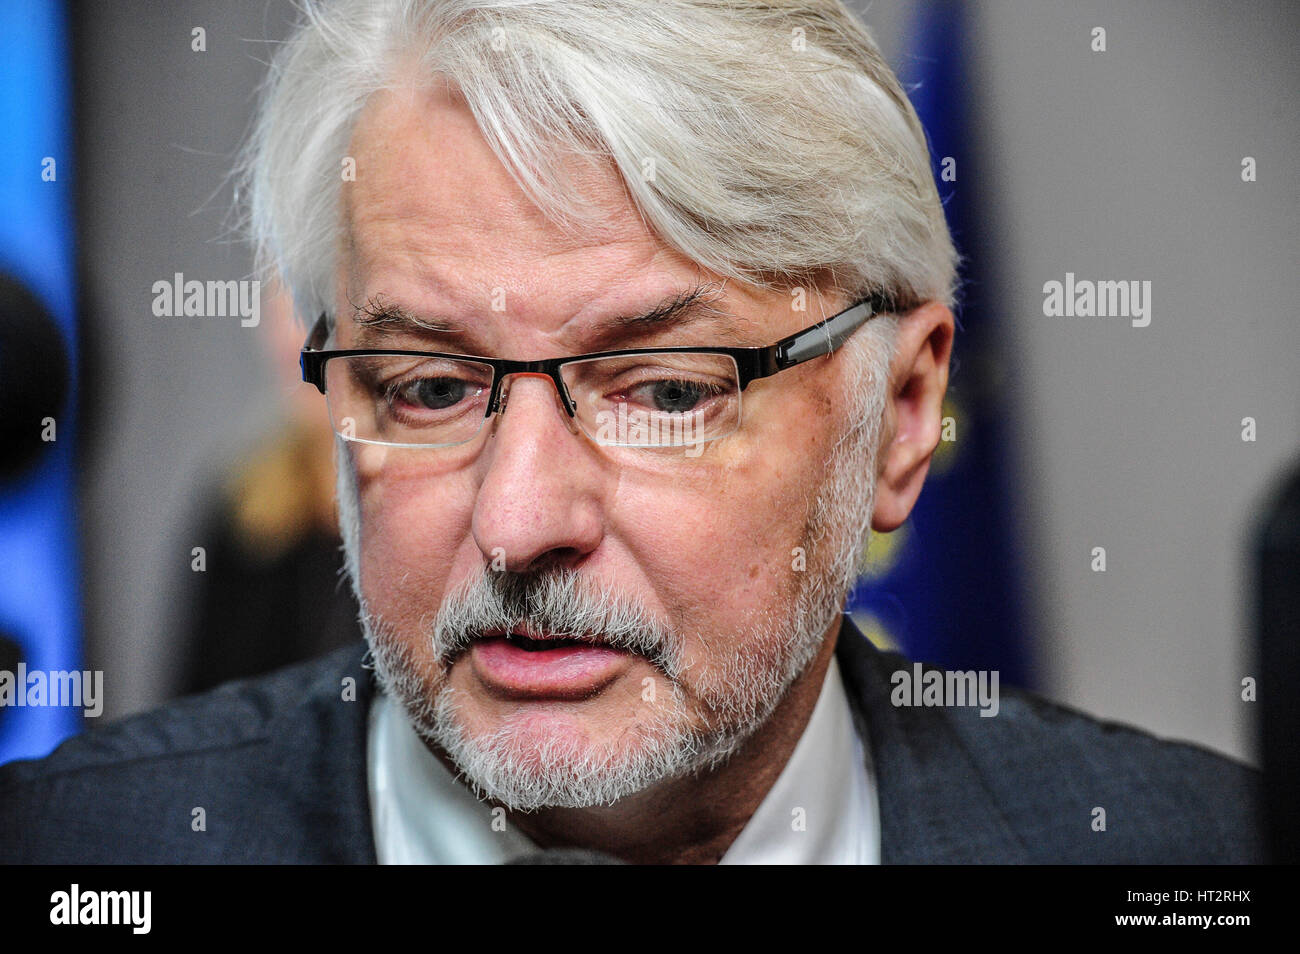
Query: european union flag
947, 586
39, 616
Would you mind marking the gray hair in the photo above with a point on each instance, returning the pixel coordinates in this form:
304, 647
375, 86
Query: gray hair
768, 142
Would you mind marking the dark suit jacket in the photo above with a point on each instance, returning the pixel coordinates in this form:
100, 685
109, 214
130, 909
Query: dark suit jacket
277, 764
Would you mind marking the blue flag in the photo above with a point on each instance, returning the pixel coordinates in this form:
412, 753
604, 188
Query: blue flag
39, 617
947, 586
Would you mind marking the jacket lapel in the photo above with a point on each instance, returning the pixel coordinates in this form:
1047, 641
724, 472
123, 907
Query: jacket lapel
317, 769
934, 804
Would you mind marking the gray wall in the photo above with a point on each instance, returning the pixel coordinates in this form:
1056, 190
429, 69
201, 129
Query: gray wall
159, 126
1127, 165
1115, 165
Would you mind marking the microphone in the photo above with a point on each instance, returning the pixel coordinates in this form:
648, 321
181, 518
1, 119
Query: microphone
11, 655
565, 856
34, 376
1277, 607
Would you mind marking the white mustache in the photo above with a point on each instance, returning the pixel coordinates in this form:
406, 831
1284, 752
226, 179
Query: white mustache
558, 602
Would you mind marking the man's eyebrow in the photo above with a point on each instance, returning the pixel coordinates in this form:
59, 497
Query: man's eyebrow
381, 318
692, 305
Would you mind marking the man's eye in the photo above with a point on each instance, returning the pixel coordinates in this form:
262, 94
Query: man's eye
672, 396
435, 394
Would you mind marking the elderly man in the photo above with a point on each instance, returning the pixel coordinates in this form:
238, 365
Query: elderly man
632, 318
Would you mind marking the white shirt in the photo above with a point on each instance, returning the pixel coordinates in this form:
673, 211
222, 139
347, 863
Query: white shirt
821, 810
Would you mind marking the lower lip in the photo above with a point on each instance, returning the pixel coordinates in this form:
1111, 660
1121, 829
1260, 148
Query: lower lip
568, 672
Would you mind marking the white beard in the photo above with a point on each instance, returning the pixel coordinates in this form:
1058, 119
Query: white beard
512, 765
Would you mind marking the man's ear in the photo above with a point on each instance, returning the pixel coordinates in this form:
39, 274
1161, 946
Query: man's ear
918, 377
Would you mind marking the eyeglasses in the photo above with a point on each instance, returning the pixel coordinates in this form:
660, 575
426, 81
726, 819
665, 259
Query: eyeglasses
642, 397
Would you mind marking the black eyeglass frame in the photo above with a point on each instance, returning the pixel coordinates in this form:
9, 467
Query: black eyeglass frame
814, 341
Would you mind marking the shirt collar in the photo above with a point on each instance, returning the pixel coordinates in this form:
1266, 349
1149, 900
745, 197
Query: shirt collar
822, 808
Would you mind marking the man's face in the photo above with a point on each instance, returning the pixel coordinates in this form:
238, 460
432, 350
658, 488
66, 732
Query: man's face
701, 583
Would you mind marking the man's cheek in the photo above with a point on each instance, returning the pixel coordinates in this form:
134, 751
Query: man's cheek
708, 568
407, 550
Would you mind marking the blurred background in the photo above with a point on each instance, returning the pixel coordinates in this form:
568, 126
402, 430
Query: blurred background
178, 527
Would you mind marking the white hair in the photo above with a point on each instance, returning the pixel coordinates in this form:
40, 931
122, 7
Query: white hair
768, 142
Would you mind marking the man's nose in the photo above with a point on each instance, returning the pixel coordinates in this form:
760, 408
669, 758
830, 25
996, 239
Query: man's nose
539, 495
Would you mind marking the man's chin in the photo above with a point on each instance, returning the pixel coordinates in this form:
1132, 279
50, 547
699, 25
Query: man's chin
534, 751
553, 755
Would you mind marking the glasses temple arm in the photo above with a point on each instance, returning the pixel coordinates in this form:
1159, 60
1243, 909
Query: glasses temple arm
824, 337
309, 358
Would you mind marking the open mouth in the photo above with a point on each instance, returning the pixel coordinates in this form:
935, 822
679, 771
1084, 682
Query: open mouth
544, 665
533, 645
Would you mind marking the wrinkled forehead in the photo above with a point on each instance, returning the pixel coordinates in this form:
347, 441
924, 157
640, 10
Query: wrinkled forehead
425, 176
436, 223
